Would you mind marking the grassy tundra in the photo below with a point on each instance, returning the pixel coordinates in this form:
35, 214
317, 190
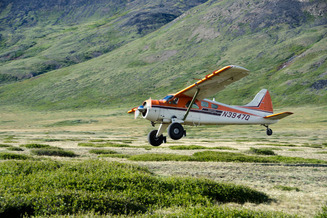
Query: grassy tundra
98, 162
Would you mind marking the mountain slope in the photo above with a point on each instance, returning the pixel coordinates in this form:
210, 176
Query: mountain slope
282, 44
37, 36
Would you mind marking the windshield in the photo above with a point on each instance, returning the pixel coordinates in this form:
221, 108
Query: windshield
168, 97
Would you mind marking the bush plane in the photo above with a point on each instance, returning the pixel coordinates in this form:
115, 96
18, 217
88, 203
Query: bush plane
189, 107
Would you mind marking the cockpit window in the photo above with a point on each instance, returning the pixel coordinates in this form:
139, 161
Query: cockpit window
174, 101
168, 97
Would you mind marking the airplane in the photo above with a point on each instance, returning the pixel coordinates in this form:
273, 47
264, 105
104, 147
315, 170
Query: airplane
189, 107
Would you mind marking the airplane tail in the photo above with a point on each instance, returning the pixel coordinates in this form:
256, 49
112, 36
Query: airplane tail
262, 102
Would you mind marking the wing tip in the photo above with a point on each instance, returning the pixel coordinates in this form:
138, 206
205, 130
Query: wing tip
278, 116
239, 68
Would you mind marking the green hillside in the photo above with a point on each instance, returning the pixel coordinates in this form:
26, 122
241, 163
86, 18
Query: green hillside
39, 36
282, 43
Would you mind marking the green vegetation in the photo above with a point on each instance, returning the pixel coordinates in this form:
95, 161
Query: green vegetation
35, 146
195, 147
263, 151
53, 151
280, 144
4, 145
71, 123
207, 156
102, 151
113, 141
107, 144
14, 149
12, 156
322, 213
115, 155
286, 188
221, 212
105, 188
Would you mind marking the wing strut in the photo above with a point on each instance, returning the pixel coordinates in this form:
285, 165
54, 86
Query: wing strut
191, 104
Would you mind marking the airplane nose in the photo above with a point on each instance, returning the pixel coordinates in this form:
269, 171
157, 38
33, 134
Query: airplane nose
141, 109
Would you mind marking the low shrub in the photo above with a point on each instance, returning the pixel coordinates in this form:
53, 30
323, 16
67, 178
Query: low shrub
103, 187
10, 156
262, 151
195, 147
87, 144
14, 149
53, 152
109, 144
222, 211
286, 188
35, 146
102, 151
161, 157
101, 145
115, 155
186, 147
5, 145
111, 141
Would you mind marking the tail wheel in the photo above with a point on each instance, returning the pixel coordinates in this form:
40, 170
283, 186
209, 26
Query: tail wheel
175, 131
269, 131
153, 139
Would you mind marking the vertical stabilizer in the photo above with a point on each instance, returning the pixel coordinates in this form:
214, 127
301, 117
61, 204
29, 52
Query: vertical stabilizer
262, 101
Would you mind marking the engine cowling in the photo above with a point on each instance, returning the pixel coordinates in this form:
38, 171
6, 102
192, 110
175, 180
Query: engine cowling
150, 113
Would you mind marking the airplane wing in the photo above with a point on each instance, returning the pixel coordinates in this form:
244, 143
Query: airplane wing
214, 82
278, 116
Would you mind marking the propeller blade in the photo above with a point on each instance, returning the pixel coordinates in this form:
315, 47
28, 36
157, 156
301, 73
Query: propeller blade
132, 110
136, 114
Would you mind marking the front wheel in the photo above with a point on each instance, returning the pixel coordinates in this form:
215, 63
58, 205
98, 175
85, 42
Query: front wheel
153, 139
175, 131
269, 131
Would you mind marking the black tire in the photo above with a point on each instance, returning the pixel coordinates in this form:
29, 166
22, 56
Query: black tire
269, 132
153, 140
175, 131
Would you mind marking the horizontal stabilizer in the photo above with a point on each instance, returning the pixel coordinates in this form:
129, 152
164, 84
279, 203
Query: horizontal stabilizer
278, 116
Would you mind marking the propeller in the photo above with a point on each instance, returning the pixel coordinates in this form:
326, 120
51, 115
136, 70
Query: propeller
142, 108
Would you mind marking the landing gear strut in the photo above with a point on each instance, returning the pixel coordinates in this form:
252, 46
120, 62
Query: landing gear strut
268, 131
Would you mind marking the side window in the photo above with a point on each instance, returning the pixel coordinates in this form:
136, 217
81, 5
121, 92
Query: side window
214, 106
204, 104
193, 106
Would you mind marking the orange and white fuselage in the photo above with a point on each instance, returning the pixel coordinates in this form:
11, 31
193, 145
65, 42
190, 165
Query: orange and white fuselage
205, 112
189, 107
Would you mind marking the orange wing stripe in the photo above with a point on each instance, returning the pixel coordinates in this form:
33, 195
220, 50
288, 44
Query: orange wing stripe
207, 77
278, 116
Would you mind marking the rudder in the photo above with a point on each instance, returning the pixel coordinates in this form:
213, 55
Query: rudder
262, 102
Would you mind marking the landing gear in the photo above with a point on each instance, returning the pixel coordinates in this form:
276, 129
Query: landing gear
176, 131
154, 140
268, 130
